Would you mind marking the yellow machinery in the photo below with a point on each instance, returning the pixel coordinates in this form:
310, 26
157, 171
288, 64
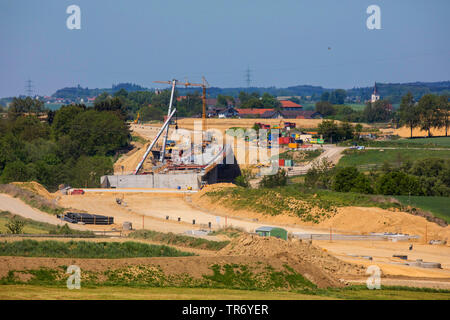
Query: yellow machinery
136, 121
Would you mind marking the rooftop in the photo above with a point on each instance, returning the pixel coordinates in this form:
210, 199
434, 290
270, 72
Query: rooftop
290, 104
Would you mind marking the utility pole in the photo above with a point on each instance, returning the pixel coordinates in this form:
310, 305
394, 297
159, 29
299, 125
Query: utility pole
248, 77
29, 88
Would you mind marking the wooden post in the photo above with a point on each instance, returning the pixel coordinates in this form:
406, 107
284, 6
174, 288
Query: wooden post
143, 226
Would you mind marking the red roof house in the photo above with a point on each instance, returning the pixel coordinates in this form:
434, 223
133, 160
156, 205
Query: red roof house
289, 105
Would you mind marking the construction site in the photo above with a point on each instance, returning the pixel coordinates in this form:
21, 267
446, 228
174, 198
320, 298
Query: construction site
169, 185
183, 164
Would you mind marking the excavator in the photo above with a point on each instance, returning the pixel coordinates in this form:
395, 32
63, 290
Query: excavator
136, 121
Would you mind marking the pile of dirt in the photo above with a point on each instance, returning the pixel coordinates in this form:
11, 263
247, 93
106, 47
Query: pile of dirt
366, 220
359, 220
35, 187
313, 263
216, 187
130, 160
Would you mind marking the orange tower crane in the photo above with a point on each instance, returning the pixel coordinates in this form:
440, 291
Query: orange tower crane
204, 85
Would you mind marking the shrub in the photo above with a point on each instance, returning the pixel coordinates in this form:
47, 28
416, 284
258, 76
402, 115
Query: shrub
398, 183
15, 225
244, 179
276, 180
345, 178
320, 175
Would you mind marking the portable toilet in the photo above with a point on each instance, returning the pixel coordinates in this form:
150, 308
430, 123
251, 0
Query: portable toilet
276, 232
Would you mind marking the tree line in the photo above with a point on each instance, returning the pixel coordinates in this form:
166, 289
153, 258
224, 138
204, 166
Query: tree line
427, 177
75, 145
430, 111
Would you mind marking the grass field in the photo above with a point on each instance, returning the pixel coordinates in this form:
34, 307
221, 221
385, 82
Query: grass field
28, 229
356, 106
86, 249
308, 204
29, 292
438, 206
442, 142
36, 227
392, 156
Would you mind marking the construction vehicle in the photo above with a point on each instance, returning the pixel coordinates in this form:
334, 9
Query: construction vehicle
136, 121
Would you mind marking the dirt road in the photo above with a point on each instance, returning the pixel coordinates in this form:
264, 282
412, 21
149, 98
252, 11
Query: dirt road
17, 207
331, 153
151, 209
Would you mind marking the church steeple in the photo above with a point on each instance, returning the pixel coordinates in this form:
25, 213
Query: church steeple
375, 95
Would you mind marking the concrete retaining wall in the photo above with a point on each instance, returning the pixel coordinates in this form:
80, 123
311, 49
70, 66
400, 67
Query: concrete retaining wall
169, 180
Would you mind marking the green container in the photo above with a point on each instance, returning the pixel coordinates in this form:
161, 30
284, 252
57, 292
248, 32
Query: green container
279, 233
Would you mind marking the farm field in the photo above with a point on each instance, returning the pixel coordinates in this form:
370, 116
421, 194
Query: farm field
378, 157
439, 206
441, 142
29, 292
405, 132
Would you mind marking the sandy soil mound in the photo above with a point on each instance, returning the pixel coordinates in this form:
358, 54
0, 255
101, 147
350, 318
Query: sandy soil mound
366, 220
216, 187
36, 188
130, 160
314, 263
359, 220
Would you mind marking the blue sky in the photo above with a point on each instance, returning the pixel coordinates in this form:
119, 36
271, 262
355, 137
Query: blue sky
283, 42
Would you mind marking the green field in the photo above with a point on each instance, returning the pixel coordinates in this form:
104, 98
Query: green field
36, 227
286, 199
442, 142
28, 229
86, 249
356, 106
29, 292
438, 206
392, 156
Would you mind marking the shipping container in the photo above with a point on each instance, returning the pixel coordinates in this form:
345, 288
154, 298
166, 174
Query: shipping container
281, 162
293, 145
272, 232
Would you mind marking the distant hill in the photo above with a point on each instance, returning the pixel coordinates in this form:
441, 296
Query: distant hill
79, 92
395, 91
391, 91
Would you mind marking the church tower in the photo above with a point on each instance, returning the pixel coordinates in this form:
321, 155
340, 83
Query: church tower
375, 95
